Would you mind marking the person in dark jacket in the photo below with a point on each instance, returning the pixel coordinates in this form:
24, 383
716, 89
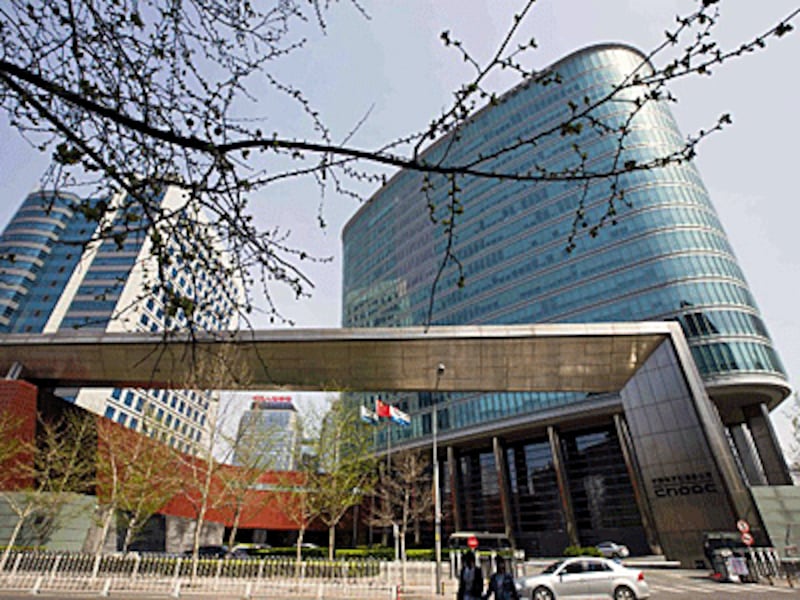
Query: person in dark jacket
470, 579
501, 584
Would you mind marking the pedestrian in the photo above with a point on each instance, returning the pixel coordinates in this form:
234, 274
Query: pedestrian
470, 579
501, 583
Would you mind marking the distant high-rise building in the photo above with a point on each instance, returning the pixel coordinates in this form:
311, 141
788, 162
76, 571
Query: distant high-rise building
57, 275
269, 434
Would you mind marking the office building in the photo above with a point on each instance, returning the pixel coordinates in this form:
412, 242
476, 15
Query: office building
665, 257
56, 275
268, 434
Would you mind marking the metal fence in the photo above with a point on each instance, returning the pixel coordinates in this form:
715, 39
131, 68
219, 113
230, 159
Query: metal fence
754, 565
274, 577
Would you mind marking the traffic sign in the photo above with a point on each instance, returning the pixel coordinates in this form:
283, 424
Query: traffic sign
743, 526
472, 542
747, 538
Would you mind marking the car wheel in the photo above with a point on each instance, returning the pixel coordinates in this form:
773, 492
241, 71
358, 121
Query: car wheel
624, 593
542, 593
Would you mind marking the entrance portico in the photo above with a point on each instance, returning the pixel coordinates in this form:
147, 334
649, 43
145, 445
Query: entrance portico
671, 435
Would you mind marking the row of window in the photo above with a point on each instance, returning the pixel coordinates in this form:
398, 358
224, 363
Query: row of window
721, 358
649, 291
605, 267
543, 228
179, 401
132, 422
467, 410
705, 323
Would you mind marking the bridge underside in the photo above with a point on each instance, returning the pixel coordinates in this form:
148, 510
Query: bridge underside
590, 358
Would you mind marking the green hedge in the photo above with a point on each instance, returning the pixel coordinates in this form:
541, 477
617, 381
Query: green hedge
362, 552
582, 551
292, 551
429, 554
376, 552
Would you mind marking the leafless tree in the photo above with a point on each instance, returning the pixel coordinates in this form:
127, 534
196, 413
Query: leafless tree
16, 451
343, 470
296, 489
135, 477
135, 95
60, 462
223, 472
256, 450
403, 495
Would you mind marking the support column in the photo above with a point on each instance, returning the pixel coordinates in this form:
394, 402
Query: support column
563, 487
775, 469
501, 466
747, 455
453, 472
637, 483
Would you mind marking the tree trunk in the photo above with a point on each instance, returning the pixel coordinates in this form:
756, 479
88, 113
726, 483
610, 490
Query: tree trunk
403, 555
106, 525
331, 541
237, 515
11, 541
201, 517
299, 554
403, 532
129, 534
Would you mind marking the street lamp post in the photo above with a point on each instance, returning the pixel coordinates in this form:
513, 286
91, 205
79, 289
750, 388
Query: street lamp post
437, 503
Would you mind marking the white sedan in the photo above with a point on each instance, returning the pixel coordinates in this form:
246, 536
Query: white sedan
584, 577
613, 550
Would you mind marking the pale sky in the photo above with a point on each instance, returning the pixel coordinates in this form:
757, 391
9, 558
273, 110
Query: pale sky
395, 65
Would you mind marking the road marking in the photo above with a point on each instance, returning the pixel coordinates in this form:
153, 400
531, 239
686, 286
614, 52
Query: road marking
695, 588
684, 589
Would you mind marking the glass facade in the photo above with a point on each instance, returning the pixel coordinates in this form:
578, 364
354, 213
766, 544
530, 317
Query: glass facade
54, 277
661, 255
268, 437
34, 266
665, 258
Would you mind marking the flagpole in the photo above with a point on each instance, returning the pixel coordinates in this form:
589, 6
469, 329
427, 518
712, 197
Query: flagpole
437, 504
389, 472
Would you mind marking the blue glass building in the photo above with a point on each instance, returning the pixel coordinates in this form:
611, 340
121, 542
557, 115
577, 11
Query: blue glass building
55, 276
666, 257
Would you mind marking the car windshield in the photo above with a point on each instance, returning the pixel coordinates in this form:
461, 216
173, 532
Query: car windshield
553, 567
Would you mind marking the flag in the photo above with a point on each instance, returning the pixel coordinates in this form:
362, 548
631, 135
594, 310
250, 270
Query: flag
382, 409
399, 417
368, 416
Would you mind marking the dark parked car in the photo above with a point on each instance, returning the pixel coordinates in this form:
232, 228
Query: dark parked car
245, 550
212, 552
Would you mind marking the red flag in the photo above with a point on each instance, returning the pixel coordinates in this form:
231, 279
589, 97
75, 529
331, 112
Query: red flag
382, 409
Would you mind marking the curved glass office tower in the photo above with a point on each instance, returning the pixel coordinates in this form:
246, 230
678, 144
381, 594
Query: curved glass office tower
665, 258
30, 253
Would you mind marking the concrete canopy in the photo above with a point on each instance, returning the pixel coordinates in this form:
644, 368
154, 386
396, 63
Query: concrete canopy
564, 357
